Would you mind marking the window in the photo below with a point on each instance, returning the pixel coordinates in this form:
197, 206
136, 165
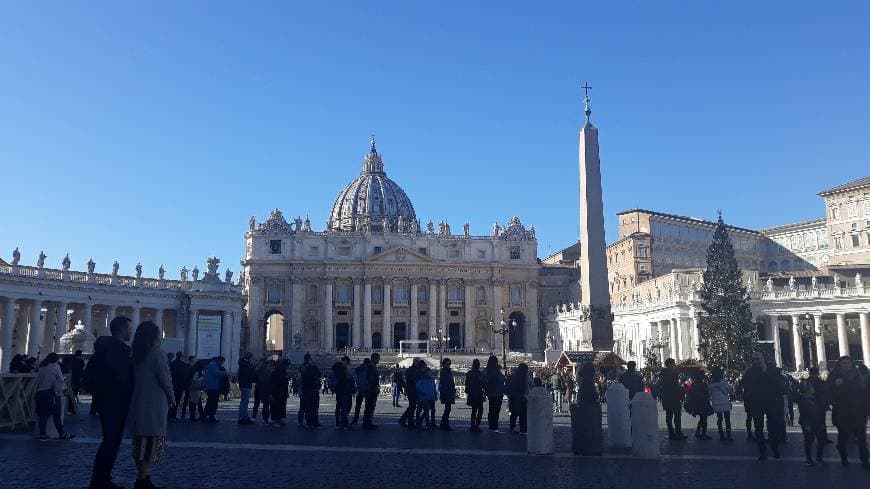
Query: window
313, 251
423, 251
856, 240
312, 294
481, 295
515, 252
378, 249
866, 207
344, 251
275, 246
838, 242
835, 213
454, 253
377, 312
400, 294
516, 295
454, 293
343, 294
852, 209
454, 313
342, 313
377, 294
422, 313
274, 295
481, 253
422, 294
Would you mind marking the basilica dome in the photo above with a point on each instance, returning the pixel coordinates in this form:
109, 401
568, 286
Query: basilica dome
372, 202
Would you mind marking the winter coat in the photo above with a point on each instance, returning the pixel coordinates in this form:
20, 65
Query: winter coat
632, 381
720, 392
850, 398
670, 391
109, 375
425, 389
152, 395
762, 389
411, 382
247, 375
213, 374
197, 385
493, 381
180, 371
50, 378
698, 399
447, 386
310, 376
278, 382
474, 388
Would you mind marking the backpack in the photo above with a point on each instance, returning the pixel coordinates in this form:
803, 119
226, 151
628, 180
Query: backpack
362, 380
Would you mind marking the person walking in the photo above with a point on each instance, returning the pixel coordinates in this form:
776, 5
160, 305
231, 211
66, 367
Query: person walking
263, 389
556, 386
246, 375
50, 388
361, 378
517, 389
850, 401
763, 389
447, 393
396, 384
194, 395
310, 402
631, 380
408, 419
152, 395
494, 386
474, 395
76, 373
214, 376
698, 403
720, 398
812, 405
180, 370
671, 395
425, 398
343, 387
371, 396
280, 392
109, 379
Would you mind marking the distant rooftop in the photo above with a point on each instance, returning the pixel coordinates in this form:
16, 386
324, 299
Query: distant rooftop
792, 226
853, 185
692, 220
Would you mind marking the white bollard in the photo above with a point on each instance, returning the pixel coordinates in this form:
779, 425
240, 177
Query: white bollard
618, 417
539, 439
645, 442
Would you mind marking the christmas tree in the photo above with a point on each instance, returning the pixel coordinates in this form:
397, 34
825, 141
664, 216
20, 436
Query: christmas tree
727, 332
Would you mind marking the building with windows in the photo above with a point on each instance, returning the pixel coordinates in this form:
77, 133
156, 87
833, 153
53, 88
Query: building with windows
805, 280
376, 275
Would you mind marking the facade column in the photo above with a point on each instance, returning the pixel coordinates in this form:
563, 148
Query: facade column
135, 317
696, 335
442, 307
88, 316
433, 308
821, 356
468, 308
842, 337
777, 344
111, 312
387, 330
190, 341
865, 336
295, 329
797, 343
236, 336
227, 340
415, 314
678, 336
62, 323
532, 337
367, 314
36, 329
329, 329
6, 335
356, 323
657, 327
496, 316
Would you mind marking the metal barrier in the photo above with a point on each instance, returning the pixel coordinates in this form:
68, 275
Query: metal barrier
17, 400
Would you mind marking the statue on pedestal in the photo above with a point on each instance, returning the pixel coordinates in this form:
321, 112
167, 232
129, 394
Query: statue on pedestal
768, 286
791, 283
228, 277
161, 272
252, 223
115, 267
212, 266
16, 256
430, 227
40, 262
65, 264
91, 266
814, 283
496, 229
195, 273
138, 271
414, 227
183, 274
306, 224
400, 224
858, 281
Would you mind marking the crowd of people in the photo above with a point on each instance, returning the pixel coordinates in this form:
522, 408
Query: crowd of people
140, 388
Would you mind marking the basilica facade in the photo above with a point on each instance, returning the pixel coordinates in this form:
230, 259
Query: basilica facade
377, 278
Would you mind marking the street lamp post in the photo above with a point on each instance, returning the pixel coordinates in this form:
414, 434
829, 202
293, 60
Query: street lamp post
503, 330
441, 339
808, 330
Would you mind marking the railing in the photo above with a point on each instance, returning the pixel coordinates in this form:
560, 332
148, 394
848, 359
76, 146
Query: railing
811, 293
17, 400
79, 277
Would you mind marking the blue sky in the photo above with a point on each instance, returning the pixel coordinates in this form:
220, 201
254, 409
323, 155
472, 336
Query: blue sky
151, 131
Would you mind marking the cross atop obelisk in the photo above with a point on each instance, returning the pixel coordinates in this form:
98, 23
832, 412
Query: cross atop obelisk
593, 261
587, 108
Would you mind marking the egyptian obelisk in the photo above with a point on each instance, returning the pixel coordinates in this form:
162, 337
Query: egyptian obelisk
593, 261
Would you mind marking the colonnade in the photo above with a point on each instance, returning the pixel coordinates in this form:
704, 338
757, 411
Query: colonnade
814, 328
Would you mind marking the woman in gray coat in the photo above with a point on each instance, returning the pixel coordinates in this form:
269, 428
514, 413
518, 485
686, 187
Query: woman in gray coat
152, 396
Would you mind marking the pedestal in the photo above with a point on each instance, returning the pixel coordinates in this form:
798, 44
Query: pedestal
645, 441
586, 434
539, 439
618, 417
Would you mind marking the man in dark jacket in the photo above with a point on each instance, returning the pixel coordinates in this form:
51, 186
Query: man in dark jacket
763, 389
109, 377
77, 372
371, 395
670, 392
631, 380
310, 399
361, 379
850, 400
411, 375
179, 370
247, 375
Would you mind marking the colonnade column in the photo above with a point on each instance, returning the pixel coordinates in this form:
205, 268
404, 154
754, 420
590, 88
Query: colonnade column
158, 320
6, 336
88, 316
356, 323
227, 340
236, 339
387, 330
777, 344
797, 343
50, 329
433, 308
367, 314
190, 341
468, 341
696, 335
821, 356
414, 313
678, 335
658, 332
34, 335
865, 336
111, 313
328, 328
136, 318
842, 339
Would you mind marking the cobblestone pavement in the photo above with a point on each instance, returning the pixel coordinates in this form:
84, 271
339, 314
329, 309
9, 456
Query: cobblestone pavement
226, 455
